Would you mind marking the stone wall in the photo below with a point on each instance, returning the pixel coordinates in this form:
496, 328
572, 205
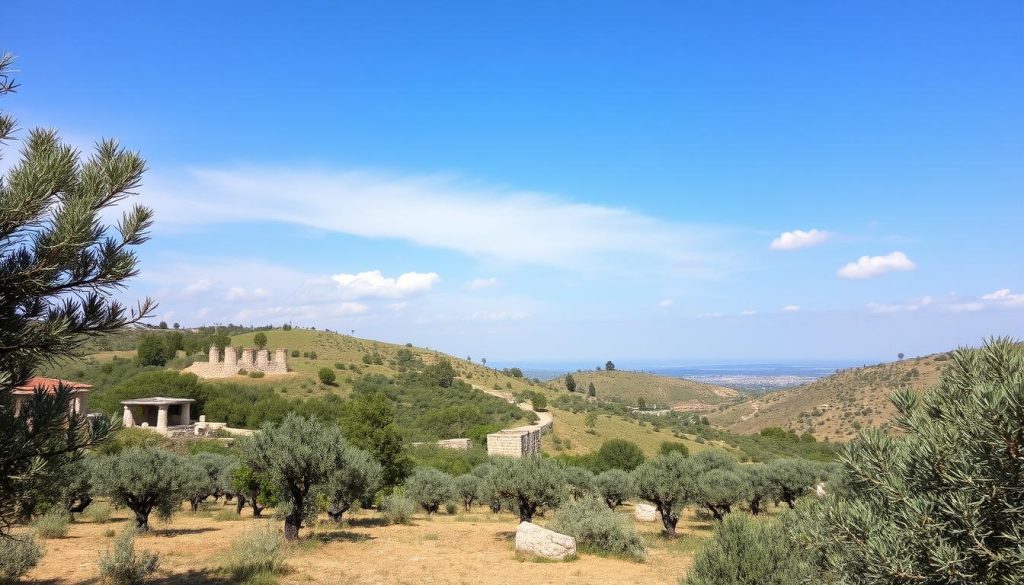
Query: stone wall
517, 442
251, 361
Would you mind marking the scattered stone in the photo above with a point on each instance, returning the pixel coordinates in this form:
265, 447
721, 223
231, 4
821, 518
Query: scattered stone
646, 513
535, 540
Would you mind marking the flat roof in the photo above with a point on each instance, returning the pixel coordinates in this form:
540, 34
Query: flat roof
49, 385
156, 401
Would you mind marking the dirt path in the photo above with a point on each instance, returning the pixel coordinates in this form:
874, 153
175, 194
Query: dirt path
544, 418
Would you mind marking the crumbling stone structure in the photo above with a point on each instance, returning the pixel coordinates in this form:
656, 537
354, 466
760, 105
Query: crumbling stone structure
252, 361
517, 442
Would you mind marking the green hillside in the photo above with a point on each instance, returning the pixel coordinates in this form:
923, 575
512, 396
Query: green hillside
834, 407
656, 391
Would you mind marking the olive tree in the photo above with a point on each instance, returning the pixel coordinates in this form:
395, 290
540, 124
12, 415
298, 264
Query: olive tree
615, 486
209, 481
296, 455
942, 503
144, 479
792, 478
467, 487
580, 481
529, 482
60, 261
745, 551
430, 488
759, 486
668, 482
720, 489
356, 480
486, 492
252, 488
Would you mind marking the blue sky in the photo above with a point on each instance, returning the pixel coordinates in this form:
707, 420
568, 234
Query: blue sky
532, 181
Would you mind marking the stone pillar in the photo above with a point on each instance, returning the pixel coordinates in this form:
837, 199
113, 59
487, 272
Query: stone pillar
161, 419
262, 358
230, 360
214, 354
128, 420
80, 403
248, 359
186, 413
281, 359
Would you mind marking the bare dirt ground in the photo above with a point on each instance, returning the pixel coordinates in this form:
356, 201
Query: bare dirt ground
468, 548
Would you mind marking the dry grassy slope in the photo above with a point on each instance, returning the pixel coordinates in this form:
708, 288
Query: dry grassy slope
835, 406
344, 349
655, 390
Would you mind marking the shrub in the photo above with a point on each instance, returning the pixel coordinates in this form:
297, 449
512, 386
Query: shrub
327, 376
98, 513
674, 446
256, 374
430, 488
257, 551
745, 551
53, 524
615, 486
450, 507
125, 566
538, 401
312, 355
397, 509
295, 353
339, 366
17, 557
598, 529
619, 454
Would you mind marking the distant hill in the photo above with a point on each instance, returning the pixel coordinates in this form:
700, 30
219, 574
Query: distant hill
834, 407
660, 391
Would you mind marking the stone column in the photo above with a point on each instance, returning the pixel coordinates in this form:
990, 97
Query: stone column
186, 413
230, 359
161, 419
281, 360
128, 420
262, 358
214, 354
80, 405
248, 361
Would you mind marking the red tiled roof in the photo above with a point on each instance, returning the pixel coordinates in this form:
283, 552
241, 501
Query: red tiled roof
49, 385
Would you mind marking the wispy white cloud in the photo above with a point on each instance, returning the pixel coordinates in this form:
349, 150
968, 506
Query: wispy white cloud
198, 287
911, 306
498, 316
800, 239
373, 284
441, 211
870, 266
1004, 297
791, 308
748, 313
482, 283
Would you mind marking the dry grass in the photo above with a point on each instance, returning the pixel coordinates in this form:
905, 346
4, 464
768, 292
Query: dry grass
833, 407
475, 548
663, 391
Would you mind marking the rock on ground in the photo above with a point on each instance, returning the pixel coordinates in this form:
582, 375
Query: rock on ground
646, 513
536, 540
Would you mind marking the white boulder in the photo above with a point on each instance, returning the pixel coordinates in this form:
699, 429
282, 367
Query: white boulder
536, 540
645, 513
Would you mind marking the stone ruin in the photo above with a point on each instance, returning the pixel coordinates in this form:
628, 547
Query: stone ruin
252, 360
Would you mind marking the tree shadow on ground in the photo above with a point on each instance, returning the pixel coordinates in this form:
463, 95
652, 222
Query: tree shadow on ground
703, 526
179, 531
340, 536
367, 522
194, 577
505, 535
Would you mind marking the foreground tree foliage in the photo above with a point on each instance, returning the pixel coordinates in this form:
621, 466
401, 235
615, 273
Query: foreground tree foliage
944, 503
615, 486
145, 479
467, 488
253, 489
59, 264
430, 488
529, 483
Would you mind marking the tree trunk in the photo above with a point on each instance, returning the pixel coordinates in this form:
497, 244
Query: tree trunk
714, 511
292, 524
334, 512
526, 511
495, 506
468, 503
755, 506
142, 520
669, 521
79, 507
257, 510
239, 504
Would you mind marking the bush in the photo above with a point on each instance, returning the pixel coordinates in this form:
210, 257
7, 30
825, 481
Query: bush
98, 512
326, 376
124, 566
597, 529
397, 509
619, 454
745, 551
670, 446
450, 507
53, 524
295, 353
430, 488
538, 401
257, 551
17, 557
256, 374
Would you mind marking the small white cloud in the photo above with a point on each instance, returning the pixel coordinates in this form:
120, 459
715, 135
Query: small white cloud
665, 303
747, 313
800, 239
909, 307
482, 283
197, 287
1003, 296
373, 284
967, 307
869, 266
791, 308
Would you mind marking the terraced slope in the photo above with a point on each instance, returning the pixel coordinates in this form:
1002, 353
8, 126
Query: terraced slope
837, 406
